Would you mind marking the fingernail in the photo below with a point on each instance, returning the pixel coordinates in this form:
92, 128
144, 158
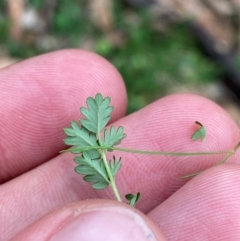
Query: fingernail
106, 223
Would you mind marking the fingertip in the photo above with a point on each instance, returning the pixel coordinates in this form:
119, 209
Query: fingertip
93, 220
167, 125
170, 121
207, 207
73, 73
42, 95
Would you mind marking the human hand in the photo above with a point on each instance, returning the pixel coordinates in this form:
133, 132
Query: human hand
41, 95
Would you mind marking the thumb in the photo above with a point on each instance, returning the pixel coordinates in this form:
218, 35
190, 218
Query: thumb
93, 220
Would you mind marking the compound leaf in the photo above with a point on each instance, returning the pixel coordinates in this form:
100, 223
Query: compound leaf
93, 171
92, 164
113, 136
80, 137
97, 114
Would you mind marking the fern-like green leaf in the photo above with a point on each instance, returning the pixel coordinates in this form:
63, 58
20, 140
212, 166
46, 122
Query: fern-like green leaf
113, 136
80, 137
92, 163
97, 114
93, 171
115, 166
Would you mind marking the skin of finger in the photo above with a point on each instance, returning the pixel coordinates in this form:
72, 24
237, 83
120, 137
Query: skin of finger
52, 223
206, 208
42, 95
164, 125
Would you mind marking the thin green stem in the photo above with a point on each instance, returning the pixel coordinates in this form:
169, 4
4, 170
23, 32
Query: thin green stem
190, 175
219, 163
161, 153
165, 153
111, 178
224, 160
109, 173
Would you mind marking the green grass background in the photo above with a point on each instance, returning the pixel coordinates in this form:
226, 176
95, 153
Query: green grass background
150, 61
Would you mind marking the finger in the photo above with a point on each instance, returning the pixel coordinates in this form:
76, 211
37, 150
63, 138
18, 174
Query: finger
167, 125
206, 208
40, 96
55, 184
93, 220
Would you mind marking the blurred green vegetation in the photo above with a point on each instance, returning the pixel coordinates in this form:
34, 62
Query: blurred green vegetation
150, 61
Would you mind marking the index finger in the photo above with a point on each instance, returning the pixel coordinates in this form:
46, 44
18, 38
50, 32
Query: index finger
38, 98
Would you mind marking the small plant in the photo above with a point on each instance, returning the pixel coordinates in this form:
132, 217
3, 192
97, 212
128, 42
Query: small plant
92, 140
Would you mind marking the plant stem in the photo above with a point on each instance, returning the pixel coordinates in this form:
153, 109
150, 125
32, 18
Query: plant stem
165, 153
160, 153
229, 155
110, 176
190, 175
112, 183
219, 163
